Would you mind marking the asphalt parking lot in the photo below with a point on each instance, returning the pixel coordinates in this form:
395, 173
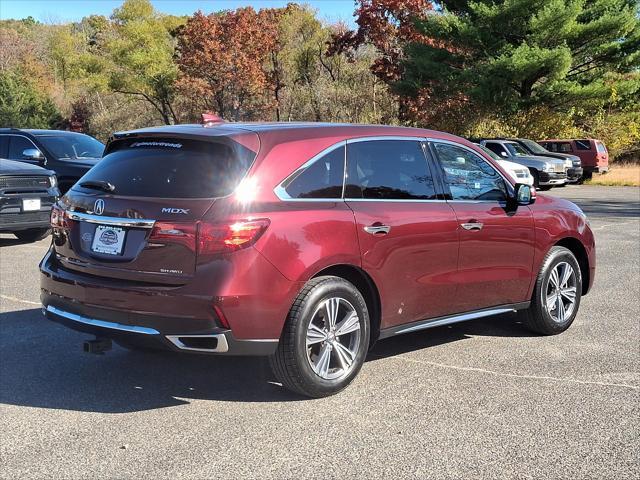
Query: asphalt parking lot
480, 399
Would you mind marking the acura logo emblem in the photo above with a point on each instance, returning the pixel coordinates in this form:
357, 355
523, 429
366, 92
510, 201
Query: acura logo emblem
98, 207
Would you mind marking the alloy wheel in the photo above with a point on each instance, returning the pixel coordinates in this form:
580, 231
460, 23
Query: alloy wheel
560, 294
333, 338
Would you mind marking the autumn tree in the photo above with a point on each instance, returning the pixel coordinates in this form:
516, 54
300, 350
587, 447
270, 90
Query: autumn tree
222, 58
141, 51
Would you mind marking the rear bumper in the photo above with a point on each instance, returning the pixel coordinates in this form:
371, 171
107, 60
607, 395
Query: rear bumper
254, 310
574, 174
596, 169
217, 341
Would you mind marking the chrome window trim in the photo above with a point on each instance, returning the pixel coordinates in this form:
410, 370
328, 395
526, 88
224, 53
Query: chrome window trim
116, 221
282, 194
464, 147
394, 200
422, 140
101, 323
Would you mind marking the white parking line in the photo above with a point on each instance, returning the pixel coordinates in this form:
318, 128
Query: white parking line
19, 300
513, 375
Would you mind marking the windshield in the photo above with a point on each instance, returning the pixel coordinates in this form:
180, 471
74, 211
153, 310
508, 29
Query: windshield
516, 149
534, 146
72, 146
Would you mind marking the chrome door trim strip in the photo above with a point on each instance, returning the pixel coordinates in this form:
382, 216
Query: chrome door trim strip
101, 323
450, 319
116, 221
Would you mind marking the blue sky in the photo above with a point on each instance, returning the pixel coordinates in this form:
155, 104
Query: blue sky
58, 11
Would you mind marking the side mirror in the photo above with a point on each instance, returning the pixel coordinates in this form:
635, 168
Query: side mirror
525, 194
32, 154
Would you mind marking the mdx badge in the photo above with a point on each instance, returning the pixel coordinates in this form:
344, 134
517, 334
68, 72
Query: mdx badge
98, 207
184, 211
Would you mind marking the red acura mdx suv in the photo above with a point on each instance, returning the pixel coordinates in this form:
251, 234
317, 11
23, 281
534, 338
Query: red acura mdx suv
305, 243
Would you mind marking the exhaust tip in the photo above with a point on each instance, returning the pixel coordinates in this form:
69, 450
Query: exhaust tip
200, 343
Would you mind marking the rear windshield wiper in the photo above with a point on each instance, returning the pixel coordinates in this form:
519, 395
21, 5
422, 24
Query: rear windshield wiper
99, 185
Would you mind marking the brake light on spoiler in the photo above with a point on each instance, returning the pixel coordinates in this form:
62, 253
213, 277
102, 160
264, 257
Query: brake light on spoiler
210, 238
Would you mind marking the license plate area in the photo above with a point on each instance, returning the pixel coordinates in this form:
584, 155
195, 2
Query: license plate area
108, 240
30, 204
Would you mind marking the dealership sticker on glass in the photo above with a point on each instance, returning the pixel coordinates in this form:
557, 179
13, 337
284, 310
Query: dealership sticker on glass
108, 240
30, 204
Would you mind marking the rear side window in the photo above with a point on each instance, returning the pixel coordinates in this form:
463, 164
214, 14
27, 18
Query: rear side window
388, 170
322, 179
173, 168
564, 147
583, 144
601, 148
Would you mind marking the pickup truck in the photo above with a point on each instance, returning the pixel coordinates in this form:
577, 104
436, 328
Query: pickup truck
547, 172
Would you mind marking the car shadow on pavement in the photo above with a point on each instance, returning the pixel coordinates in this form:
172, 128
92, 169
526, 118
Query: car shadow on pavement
42, 365
608, 208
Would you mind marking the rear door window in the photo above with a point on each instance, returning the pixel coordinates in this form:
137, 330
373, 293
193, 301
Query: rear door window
322, 179
601, 148
388, 170
173, 168
469, 176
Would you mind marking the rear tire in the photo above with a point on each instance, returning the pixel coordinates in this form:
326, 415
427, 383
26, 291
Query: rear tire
325, 338
33, 234
557, 294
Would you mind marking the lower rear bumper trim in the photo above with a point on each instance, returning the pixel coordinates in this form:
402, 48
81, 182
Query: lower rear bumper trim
100, 323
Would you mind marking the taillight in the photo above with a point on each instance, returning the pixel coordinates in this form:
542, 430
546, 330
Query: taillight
221, 238
58, 218
210, 238
181, 233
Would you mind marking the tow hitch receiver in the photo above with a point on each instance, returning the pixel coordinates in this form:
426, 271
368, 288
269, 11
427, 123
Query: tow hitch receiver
97, 346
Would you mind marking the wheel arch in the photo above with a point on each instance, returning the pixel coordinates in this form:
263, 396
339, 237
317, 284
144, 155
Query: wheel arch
580, 252
367, 287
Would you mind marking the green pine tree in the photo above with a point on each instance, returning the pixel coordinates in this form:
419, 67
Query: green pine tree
515, 54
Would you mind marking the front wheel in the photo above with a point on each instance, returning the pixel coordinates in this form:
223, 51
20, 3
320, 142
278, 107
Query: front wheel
325, 338
557, 294
33, 234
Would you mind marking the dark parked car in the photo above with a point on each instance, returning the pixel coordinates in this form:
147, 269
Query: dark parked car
572, 162
27, 193
69, 154
306, 243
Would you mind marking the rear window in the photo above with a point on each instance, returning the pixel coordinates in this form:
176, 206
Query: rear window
583, 144
173, 168
600, 147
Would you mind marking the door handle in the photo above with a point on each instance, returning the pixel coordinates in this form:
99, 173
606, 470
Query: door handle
472, 225
377, 229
